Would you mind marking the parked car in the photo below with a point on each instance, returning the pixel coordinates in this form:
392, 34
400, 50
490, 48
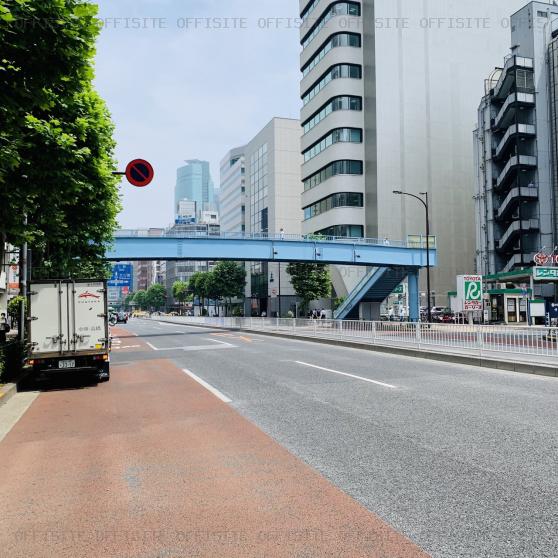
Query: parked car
121, 318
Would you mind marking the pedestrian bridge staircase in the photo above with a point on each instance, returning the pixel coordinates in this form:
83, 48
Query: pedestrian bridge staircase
375, 286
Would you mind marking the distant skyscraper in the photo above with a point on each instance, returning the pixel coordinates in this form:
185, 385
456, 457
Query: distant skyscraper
193, 182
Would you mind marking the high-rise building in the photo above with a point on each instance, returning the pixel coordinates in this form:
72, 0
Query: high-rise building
232, 192
194, 183
389, 91
273, 189
516, 146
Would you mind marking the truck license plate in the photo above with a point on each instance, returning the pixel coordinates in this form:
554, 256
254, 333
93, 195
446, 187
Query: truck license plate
67, 364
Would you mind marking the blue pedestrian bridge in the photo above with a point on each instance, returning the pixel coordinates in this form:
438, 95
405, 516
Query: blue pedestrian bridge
390, 261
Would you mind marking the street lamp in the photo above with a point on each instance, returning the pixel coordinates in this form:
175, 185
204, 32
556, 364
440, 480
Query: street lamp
426, 207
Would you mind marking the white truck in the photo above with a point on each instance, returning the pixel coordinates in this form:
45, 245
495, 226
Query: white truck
68, 327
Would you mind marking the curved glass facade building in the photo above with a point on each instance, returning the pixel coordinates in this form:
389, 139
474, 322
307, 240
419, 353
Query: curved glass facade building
407, 75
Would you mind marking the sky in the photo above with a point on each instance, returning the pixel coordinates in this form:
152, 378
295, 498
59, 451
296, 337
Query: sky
190, 79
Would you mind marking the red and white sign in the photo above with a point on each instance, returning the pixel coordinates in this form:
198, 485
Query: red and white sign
140, 173
542, 259
13, 278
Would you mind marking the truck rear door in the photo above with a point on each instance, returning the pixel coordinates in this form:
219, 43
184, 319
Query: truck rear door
87, 311
49, 318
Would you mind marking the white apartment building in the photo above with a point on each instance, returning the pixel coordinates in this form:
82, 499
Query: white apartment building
389, 91
272, 198
232, 191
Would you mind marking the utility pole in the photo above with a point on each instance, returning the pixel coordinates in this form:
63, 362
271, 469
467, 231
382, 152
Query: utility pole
23, 284
279, 289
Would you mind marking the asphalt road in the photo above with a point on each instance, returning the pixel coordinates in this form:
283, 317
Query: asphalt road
459, 460
463, 461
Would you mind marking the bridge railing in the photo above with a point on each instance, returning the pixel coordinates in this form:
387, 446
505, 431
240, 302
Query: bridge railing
531, 344
418, 242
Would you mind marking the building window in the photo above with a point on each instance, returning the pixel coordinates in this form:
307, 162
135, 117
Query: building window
351, 71
344, 102
343, 231
337, 40
336, 9
339, 135
311, 6
341, 199
265, 220
336, 168
259, 186
525, 80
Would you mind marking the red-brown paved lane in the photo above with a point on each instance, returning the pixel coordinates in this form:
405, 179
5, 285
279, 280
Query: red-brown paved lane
125, 341
153, 465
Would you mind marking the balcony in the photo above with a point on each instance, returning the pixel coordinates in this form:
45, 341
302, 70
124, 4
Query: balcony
514, 100
521, 130
515, 230
516, 196
513, 164
507, 79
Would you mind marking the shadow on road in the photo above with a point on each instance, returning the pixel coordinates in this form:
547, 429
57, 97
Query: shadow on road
58, 382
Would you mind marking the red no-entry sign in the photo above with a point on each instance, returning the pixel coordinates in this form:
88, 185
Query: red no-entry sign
139, 173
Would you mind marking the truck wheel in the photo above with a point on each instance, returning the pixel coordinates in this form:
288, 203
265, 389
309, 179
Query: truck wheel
104, 373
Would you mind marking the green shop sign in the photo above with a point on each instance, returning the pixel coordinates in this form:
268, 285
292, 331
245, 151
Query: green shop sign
545, 274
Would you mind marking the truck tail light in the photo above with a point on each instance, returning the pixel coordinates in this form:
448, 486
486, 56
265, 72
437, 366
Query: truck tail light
33, 361
101, 357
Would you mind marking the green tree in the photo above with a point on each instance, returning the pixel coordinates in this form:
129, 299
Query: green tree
230, 280
140, 300
212, 288
128, 300
56, 138
14, 308
181, 291
197, 286
310, 282
156, 297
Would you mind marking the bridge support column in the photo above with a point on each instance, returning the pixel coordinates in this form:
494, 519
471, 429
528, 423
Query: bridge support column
414, 296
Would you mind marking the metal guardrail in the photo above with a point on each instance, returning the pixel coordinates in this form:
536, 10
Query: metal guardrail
418, 242
482, 340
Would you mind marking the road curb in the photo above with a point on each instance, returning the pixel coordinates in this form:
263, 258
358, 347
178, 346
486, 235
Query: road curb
478, 361
7, 391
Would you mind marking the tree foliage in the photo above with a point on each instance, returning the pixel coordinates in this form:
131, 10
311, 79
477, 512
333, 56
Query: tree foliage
181, 291
198, 285
128, 300
14, 307
226, 281
310, 281
230, 279
140, 300
56, 144
156, 297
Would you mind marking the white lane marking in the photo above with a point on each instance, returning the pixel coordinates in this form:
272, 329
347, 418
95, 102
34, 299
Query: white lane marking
14, 409
348, 375
220, 342
193, 348
207, 386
